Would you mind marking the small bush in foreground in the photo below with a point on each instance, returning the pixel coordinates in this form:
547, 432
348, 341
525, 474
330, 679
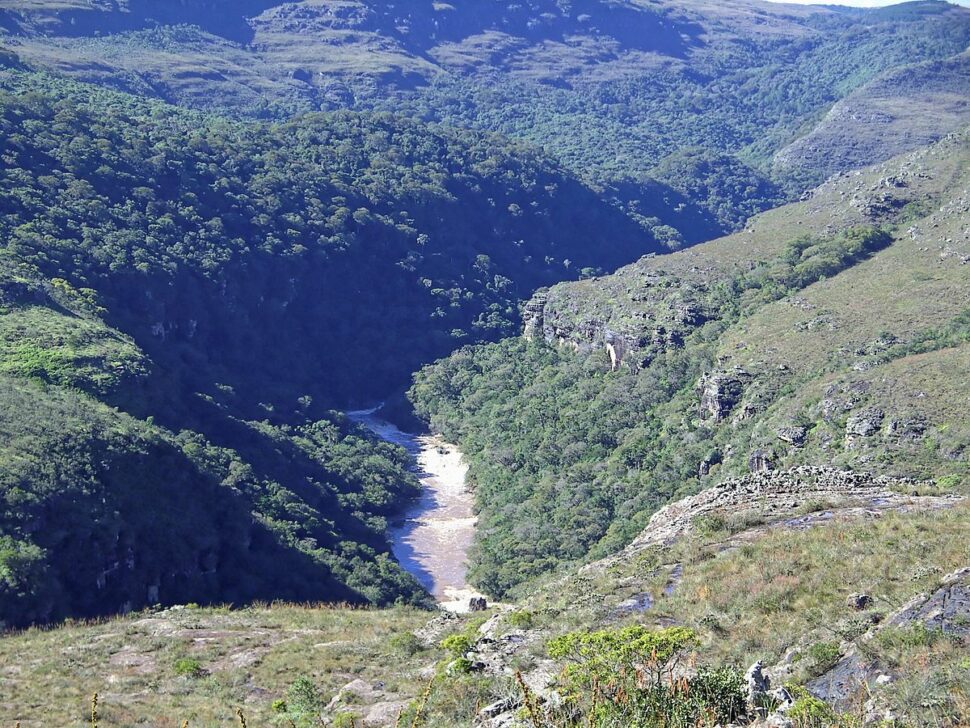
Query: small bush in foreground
626, 677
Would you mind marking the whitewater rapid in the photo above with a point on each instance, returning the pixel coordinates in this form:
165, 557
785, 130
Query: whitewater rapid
433, 541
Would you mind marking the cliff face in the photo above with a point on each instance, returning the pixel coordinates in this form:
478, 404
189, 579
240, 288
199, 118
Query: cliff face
657, 303
826, 333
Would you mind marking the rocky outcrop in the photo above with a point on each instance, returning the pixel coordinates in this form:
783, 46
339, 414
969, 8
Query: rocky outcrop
533, 315
862, 425
762, 700
794, 435
761, 461
777, 495
720, 392
856, 675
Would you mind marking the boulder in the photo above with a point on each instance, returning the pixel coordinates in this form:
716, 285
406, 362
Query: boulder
720, 391
495, 709
863, 424
794, 436
778, 720
859, 601
758, 684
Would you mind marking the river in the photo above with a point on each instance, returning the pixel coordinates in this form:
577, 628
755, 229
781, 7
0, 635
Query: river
433, 540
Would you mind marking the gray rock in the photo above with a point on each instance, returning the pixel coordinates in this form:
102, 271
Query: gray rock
384, 713
779, 720
864, 424
758, 685
720, 391
794, 435
710, 460
495, 709
859, 601
760, 461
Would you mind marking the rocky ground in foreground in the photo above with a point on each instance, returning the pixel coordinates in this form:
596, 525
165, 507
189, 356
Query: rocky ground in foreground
856, 587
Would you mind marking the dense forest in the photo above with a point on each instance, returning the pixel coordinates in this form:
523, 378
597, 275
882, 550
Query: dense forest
185, 297
213, 233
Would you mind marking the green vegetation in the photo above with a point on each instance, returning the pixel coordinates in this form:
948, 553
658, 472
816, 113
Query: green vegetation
202, 234
810, 712
303, 703
182, 300
784, 593
594, 452
673, 108
277, 663
189, 667
628, 677
804, 321
237, 216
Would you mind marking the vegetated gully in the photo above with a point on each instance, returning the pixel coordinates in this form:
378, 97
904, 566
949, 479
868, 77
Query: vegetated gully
433, 540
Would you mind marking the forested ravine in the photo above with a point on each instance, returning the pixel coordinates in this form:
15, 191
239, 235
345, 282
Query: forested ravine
436, 532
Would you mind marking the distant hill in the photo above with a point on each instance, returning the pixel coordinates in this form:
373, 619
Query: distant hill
901, 110
609, 88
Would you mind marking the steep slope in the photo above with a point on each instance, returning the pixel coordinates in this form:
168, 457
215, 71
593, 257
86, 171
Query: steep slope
833, 330
797, 581
416, 237
609, 88
848, 586
901, 110
183, 300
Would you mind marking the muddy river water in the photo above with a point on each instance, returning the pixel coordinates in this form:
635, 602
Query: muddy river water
433, 540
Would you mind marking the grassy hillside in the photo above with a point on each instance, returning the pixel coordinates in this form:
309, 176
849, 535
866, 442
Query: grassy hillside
203, 665
899, 110
826, 332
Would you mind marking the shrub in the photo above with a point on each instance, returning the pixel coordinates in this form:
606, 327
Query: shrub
189, 667
345, 720
457, 644
810, 712
627, 677
719, 693
521, 619
303, 702
460, 666
948, 482
405, 644
823, 655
